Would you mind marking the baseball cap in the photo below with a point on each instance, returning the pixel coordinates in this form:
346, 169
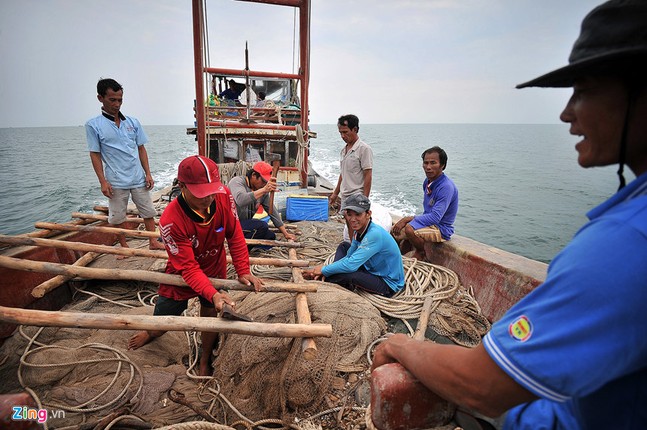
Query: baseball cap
613, 36
200, 175
263, 169
356, 202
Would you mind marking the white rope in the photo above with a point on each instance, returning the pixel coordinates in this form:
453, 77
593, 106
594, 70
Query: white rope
303, 146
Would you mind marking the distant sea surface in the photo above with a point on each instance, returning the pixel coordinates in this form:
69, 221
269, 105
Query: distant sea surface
520, 187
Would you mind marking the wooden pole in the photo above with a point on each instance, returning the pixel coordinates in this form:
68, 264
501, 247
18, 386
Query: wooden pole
308, 345
275, 171
423, 320
157, 322
132, 212
148, 234
97, 217
58, 280
48, 233
128, 211
132, 252
271, 286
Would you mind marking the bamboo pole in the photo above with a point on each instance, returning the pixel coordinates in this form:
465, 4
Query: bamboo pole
144, 275
158, 322
58, 280
148, 234
132, 252
308, 345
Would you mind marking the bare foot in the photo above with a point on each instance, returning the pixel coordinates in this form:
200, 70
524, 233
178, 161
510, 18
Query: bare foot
124, 244
154, 244
139, 340
205, 368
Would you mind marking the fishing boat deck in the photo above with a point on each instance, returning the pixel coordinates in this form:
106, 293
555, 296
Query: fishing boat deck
347, 385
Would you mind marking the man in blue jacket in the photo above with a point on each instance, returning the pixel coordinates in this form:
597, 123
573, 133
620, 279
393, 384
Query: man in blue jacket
440, 204
372, 262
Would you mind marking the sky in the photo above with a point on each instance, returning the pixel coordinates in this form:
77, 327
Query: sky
395, 61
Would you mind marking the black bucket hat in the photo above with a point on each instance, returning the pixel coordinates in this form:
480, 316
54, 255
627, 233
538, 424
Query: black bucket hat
613, 36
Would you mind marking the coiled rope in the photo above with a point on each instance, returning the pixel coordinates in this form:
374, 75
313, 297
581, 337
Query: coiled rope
455, 312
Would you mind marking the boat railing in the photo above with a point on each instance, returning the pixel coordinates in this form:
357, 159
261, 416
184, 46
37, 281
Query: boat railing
276, 114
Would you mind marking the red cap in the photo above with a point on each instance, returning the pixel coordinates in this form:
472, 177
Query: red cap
200, 175
264, 169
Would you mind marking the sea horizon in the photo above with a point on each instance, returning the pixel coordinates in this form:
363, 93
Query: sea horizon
520, 187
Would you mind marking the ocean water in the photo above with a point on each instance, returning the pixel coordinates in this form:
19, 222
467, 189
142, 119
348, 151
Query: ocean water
520, 187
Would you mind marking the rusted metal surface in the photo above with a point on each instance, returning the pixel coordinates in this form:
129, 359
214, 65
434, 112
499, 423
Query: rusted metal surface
28, 412
16, 285
400, 402
499, 278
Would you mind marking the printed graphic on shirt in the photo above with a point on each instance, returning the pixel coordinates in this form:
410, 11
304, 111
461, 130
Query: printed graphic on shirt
520, 329
208, 253
165, 231
194, 241
232, 205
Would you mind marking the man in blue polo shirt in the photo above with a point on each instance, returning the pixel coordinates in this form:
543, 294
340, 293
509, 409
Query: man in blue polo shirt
116, 142
572, 354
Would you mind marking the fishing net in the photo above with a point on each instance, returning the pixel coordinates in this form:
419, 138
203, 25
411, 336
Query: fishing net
269, 377
89, 373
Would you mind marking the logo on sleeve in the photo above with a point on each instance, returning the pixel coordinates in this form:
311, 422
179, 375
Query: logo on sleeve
520, 329
165, 231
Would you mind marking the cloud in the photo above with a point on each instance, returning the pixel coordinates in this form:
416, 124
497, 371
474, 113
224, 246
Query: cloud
390, 62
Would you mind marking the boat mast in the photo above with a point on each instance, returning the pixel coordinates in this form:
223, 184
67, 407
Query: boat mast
198, 64
303, 74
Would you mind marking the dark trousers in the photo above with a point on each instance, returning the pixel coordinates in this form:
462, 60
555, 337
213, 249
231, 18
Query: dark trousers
257, 229
360, 279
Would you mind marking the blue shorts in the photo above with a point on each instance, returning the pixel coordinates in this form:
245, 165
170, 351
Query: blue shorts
166, 306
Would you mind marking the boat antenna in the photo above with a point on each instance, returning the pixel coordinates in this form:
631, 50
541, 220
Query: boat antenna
247, 89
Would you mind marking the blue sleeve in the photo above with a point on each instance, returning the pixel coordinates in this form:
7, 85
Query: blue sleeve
358, 254
92, 138
585, 325
141, 137
442, 199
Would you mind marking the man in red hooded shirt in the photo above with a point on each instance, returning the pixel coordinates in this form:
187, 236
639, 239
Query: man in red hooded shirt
194, 228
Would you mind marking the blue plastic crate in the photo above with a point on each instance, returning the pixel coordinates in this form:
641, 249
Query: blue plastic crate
306, 208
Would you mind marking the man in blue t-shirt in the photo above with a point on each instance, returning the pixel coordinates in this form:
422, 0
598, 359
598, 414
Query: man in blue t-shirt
372, 262
572, 354
116, 143
440, 205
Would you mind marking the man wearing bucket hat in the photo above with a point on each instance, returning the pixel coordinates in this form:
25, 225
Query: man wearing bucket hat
572, 353
252, 192
194, 228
